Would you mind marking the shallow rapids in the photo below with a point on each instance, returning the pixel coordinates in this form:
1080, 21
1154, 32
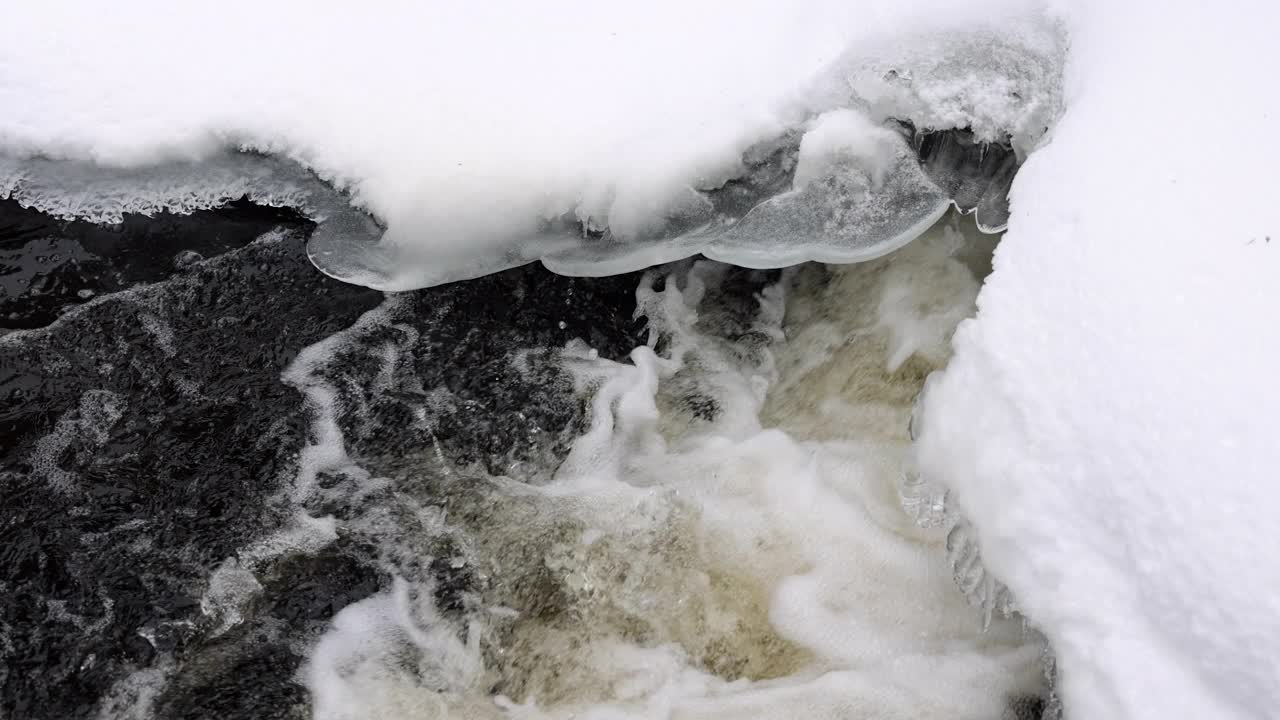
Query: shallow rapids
725, 538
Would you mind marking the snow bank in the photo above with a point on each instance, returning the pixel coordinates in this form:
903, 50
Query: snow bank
1105, 420
1108, 420
483, 135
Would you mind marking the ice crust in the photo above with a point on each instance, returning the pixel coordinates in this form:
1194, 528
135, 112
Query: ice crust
1108, 420
599, 139
76, 190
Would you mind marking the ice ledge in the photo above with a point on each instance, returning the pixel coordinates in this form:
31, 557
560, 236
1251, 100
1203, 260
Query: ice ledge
855, 209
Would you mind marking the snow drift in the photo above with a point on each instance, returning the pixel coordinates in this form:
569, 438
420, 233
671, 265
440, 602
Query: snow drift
600, 138
1107, 421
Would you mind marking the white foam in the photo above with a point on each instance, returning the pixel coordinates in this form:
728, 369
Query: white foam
748, 561
89, 424
234, 583
231, 587
356, 668
133, 697
325, 450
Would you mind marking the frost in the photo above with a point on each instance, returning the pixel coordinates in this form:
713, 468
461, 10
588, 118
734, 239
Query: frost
105, 194
998, 82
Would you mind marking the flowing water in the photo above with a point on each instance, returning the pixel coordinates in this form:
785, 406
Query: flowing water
724, 538
504, 498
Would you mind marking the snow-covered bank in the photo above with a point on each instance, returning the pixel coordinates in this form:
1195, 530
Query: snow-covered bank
1107, 423
1109, 419
486, 135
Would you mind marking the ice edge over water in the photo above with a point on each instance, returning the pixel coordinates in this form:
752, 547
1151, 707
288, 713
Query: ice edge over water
825, 180
820, 224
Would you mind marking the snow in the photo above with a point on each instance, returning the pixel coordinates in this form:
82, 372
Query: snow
1108, 420
484, 135
844, 137
1106, 423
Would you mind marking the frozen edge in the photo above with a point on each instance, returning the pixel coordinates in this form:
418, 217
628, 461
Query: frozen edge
931, 505
758, 260
348, 245
565, 252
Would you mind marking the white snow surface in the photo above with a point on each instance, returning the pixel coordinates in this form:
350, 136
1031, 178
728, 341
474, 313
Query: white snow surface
463, 127
1108, 421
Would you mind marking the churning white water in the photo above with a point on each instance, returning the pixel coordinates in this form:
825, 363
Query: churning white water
724, 540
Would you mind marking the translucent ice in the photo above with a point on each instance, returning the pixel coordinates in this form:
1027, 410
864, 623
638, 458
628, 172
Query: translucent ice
600, 139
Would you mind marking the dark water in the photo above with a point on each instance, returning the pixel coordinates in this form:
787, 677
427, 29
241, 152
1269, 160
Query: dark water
146, 433
49, 265
142, 435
